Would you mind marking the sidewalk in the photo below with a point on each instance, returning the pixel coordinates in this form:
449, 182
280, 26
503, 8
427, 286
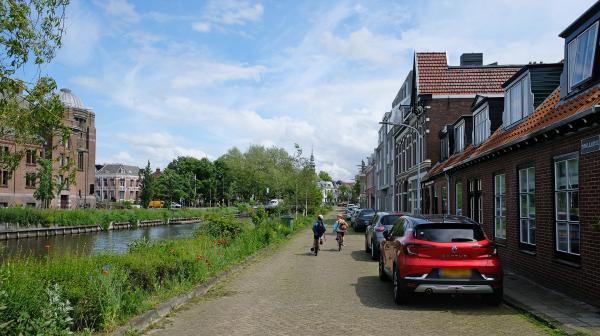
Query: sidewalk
561, 311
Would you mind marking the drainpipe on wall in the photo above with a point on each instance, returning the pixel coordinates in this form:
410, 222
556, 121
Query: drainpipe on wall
448, 193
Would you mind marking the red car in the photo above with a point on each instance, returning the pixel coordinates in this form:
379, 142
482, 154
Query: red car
440, 254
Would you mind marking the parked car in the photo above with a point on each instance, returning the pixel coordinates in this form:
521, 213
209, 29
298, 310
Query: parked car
274, 203
156, 204
374, 232
440, 254
363, 218
349, 212
353, 215
175, 205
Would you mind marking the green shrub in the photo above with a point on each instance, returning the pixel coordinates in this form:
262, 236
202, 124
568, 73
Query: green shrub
56, 295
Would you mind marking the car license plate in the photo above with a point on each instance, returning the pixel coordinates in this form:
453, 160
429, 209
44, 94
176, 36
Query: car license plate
455, 273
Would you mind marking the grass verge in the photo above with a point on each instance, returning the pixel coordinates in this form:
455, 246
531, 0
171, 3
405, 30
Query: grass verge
58, 296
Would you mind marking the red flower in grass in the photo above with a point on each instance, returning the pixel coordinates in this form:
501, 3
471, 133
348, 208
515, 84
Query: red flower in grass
223, 241
213, 241
199, 257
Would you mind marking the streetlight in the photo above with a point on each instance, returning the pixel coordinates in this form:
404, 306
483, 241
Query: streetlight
396, 120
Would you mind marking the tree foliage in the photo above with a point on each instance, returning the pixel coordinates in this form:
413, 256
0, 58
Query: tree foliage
324, 176
31, 113
146, 185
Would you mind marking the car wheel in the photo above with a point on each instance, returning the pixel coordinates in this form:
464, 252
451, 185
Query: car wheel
367, 249
495, 298
382, 275
374, 251
400, 293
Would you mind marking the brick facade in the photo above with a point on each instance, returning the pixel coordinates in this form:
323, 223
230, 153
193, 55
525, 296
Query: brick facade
81, 149
542, 264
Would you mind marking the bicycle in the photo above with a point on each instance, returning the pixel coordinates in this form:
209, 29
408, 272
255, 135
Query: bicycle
339, 238
315, 248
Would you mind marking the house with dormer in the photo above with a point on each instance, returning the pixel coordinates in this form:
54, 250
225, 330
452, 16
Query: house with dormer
530, 169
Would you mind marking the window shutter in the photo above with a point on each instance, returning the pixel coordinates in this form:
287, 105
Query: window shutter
506, 112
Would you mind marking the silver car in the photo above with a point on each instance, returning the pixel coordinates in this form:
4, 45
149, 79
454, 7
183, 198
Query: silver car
374, 232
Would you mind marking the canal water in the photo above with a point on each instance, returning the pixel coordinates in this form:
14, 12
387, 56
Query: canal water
91, 243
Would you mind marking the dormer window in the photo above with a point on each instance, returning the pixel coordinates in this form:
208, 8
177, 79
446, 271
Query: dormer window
580, 53
459, 137
481, 125
518, 100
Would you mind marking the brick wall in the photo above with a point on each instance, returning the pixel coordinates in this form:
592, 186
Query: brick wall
542, 265
443, 111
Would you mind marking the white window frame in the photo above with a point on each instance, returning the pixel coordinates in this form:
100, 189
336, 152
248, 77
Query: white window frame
500, 206
527, 205
570, 191
525, 103
572, 55
481, 125
459, 137
458, 210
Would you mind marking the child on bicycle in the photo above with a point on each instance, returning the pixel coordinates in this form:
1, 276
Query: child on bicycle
341, 228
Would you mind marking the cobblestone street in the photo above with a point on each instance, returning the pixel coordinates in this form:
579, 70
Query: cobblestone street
292, 292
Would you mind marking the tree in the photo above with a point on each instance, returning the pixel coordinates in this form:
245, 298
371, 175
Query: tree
31, 114
146, 185
324, 176
345, 192
356, 188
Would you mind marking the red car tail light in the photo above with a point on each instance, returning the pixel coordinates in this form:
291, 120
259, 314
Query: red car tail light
490, 247
413, 248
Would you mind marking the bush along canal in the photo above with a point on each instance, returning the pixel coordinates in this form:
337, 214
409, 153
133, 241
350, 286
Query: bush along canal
56, 295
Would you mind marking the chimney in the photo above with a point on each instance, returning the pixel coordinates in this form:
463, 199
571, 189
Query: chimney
471, 59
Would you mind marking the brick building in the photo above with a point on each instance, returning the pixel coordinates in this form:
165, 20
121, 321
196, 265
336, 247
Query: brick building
18, 188
530, 170
117, 183
433, 95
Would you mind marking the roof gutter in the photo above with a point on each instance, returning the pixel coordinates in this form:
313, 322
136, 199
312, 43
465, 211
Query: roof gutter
589, 111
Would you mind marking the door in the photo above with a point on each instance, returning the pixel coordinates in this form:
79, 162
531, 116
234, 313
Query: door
64, 201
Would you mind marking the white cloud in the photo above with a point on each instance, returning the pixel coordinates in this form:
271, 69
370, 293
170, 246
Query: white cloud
203, 73
81, 37
224, 14
201, 27
121, 9
234, 12
327, 91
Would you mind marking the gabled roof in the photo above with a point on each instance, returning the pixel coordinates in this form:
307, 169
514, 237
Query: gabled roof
549, 115
435, 77
117, 168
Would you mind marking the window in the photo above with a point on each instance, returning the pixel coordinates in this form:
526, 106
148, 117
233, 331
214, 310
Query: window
30, 179
444, 148
518, 101
481, 125
458, 194
499, 206
121, 195
122, 182
80, 160
31, 157
459, 137
4, 151
527, 205
444, 200
566, 193
580, 56
4, 177
475, 200
105, 182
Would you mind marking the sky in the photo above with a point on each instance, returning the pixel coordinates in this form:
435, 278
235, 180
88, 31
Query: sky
171, 78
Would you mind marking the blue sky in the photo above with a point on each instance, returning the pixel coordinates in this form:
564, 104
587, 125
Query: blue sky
168, 78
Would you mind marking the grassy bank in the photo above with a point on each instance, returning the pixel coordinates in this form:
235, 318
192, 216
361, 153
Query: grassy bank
58, 217
55, 296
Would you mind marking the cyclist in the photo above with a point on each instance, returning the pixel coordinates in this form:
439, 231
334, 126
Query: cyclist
341, 228
318, 229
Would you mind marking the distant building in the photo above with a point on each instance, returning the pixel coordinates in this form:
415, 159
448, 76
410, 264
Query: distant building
18, 187
327, 191
117, 183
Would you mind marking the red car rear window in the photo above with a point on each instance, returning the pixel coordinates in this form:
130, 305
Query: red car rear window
449, 233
